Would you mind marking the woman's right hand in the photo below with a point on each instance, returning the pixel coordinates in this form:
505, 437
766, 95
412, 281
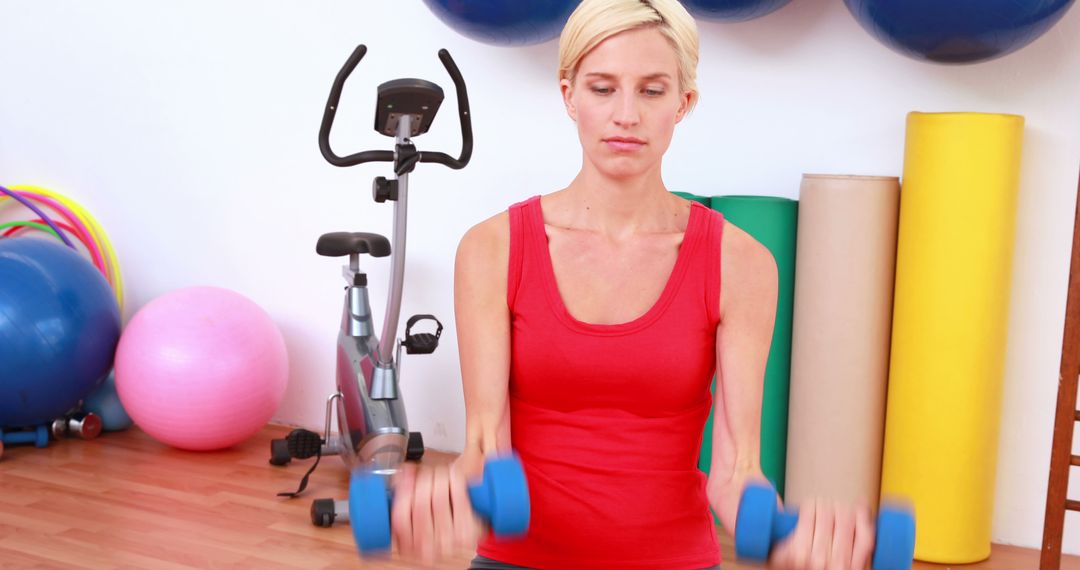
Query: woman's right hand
431, 518
829, 536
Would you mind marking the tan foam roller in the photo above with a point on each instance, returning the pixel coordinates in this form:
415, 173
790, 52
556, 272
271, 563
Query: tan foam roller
844, 277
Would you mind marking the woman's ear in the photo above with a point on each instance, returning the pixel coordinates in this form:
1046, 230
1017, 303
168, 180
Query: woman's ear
685, 101
567, 90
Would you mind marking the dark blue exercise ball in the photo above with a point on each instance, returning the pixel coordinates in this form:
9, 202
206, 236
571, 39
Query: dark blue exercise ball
732, 10
957, 31
59, 326
505, 22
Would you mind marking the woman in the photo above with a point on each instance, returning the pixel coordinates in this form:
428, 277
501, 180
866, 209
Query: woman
590, 324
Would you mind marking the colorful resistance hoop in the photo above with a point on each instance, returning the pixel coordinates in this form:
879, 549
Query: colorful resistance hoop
20, 199
82, 225
13, 229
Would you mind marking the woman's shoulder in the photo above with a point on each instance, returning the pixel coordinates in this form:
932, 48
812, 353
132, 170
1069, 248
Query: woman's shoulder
483, 254
742, 250
487, 243
489, 233
493, 233
748, 269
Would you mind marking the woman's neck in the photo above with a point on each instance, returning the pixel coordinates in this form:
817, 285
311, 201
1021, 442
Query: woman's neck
617, 208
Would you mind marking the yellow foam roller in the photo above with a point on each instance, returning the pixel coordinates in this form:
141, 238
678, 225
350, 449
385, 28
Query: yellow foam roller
950, 317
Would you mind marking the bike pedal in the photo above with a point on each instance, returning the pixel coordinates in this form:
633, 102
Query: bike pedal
421, 343
303, 444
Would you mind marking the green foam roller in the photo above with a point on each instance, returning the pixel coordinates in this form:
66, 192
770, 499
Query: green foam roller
773, 222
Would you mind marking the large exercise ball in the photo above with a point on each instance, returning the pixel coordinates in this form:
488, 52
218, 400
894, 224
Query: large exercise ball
957, 31
59, 325
201, 368
505, 22
104, 402
732, 10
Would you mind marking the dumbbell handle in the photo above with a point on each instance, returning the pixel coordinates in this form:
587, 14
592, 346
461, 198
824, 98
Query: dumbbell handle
786, 520
500, 499
894, 540
784, 524
21, 437
481, 499
476, 495
39, 436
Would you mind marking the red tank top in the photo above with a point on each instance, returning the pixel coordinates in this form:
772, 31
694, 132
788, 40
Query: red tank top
608, 419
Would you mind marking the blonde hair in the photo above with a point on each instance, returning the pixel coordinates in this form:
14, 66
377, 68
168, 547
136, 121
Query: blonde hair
596, 20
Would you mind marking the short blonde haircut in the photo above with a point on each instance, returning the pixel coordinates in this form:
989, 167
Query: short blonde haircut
596, 20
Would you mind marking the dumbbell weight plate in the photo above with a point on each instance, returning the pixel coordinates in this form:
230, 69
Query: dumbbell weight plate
754, 523
895, 547
91, 426
59, 428
42, 436
503, 497
369, 511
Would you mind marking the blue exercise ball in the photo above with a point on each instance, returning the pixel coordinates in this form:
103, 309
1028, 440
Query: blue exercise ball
105, 403
505, 22
957, 31
59, 327
732, 10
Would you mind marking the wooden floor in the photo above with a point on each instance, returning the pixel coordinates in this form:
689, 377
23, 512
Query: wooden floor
126, 501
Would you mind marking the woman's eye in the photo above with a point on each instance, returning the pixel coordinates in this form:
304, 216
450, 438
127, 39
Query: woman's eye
654, 92
601, 90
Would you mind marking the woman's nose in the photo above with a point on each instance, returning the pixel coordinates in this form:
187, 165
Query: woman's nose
627, 112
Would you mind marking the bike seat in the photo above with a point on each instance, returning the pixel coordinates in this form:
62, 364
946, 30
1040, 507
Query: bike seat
337, 244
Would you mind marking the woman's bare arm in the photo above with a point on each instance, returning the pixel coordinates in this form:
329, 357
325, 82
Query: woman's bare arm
483, 329
748, 298
431, 514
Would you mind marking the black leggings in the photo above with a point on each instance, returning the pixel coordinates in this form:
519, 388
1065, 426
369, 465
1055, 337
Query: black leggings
481, 563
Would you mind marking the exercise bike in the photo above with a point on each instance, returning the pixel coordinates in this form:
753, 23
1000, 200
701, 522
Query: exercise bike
373, 432
373, 436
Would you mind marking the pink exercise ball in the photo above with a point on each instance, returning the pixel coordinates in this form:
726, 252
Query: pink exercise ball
201, 368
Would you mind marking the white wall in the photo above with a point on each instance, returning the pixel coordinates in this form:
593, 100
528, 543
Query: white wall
189, 130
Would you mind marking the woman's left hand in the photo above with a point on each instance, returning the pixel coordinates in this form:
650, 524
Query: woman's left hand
828, 536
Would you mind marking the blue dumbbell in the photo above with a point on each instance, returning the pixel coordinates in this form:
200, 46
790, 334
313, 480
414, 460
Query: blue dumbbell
759, 525
501, 499
39, 436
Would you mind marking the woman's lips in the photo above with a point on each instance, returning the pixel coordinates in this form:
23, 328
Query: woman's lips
621, 144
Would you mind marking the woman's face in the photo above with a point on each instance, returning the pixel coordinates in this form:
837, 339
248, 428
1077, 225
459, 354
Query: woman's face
626, 100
